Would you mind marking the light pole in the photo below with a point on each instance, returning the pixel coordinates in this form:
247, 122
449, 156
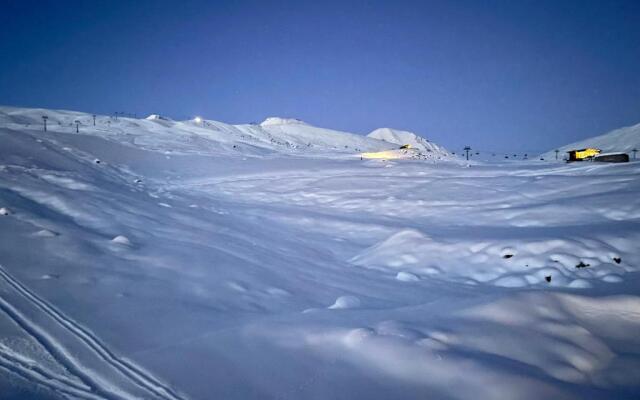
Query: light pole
77, 126
557, 151
466, 149
44, 119
94, 120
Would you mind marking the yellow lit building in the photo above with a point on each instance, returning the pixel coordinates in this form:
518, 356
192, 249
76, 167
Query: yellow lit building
583, 154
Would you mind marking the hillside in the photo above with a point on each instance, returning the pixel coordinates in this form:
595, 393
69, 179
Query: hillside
619, 140
400, 138
152, 259
272, 136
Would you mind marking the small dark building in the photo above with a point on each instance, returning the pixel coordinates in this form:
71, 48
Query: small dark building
612, 157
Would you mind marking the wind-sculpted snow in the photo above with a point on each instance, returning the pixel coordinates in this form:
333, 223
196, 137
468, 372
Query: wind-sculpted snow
478, 351
506, 262
151, 259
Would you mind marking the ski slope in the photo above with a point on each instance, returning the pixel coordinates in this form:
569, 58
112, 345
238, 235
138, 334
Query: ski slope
152, 259
404, 137
622, 140
161, 133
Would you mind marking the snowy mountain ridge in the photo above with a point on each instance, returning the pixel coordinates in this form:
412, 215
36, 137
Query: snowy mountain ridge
273, 135
281, 121
153, 117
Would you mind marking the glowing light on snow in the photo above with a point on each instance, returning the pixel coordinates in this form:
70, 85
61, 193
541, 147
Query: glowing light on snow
387, 155
197, 120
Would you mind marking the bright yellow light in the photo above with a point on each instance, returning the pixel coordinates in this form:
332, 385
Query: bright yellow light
406, 152
387, 155
586, 153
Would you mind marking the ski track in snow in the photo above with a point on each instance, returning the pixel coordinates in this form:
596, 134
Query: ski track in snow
32, 372
93, 387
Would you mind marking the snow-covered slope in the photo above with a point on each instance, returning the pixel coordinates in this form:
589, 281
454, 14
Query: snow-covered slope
282, 121
150, 259
621, 140
400, 138
300, 135
274, 135
156, 117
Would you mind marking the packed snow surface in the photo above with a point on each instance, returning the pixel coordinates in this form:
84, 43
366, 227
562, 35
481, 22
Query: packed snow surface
207, 260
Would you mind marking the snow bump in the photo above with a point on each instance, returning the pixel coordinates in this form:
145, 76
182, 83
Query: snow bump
344, 302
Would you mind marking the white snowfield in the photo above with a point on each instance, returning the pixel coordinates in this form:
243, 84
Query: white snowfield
622, 140
161, 259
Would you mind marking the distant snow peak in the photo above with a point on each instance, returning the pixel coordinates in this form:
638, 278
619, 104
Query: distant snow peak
402, 138
282, 121
155, 117
396, 136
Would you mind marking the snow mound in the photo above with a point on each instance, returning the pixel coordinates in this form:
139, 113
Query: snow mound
622, 140
344, 302
555, 261
45, 233
123, 240
407, 277
282, 121
570, 344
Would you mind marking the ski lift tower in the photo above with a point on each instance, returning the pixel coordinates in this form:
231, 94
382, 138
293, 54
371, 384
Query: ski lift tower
44, 119
467, 149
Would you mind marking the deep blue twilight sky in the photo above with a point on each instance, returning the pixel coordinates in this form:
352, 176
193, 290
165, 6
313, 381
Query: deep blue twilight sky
497, 75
